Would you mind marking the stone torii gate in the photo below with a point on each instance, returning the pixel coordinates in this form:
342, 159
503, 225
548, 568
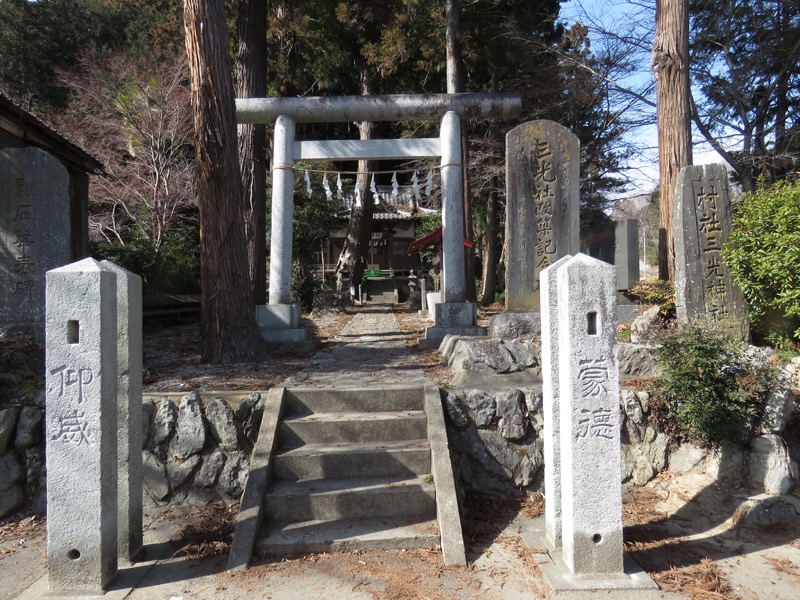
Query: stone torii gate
278, 321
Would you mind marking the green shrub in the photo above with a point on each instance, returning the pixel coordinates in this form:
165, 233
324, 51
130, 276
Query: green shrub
708, 392
764, 259
655, 291
174, 269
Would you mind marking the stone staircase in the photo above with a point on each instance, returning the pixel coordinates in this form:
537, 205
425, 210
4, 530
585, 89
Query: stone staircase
355, 468
381, 290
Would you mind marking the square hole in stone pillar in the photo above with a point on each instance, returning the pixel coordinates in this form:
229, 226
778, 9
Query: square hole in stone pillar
73, 332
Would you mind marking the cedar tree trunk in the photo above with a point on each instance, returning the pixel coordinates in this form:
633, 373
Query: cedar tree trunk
251, 82
227, 326
670, 60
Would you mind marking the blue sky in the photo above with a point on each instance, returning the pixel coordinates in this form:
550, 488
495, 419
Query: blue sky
634, 18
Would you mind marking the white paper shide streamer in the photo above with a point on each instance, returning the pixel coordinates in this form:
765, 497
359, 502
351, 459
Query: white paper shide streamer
307, 177
326, 186
415, 186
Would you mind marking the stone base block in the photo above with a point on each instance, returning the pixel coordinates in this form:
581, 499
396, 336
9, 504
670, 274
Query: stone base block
560, 579
297, 339
277, 316
456, 314
513, 325
432, 298
434, 335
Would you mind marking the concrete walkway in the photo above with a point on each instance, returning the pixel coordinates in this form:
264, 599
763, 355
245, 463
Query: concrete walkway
370, 350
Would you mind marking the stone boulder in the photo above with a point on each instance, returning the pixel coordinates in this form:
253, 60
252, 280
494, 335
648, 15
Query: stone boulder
234, 475
780, 402
190, 429
164, 422
222, 424
8, 424
644, 323
29, 428
637, 361
492, 356
769, 468
514, 325
483, 408
686, 458
512, 423
154, 476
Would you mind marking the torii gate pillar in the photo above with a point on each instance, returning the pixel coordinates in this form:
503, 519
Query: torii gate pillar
453, 315
279, 320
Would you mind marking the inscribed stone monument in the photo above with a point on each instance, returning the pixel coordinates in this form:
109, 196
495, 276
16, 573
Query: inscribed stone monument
542, 202
588, 392
81, 380
703, 283
618, 245
34, 234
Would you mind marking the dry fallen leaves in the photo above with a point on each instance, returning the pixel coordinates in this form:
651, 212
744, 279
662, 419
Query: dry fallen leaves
17, 529
784, 565
703, 581
207, 532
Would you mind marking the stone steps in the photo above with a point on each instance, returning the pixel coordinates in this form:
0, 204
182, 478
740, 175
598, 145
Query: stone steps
368, 497
350, 468
367, 427
307, 401
351, 534
354, 459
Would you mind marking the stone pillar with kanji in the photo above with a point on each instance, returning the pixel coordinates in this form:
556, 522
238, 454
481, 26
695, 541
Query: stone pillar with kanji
81, 427
588, 391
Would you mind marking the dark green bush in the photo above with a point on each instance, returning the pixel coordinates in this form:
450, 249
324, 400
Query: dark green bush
764, 259
174, 269
708, 392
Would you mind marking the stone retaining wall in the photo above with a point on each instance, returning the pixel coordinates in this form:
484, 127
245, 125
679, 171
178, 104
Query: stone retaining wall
496, 438
197, 446
21, 458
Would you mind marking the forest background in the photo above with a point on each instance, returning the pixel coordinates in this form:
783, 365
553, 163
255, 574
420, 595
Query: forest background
112, 76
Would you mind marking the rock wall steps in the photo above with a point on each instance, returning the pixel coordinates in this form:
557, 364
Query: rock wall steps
351, 470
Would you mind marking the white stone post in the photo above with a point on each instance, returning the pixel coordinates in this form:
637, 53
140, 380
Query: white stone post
280, 266
278, 321
129, 410
552, 451
81, 426
453, 288
591, 493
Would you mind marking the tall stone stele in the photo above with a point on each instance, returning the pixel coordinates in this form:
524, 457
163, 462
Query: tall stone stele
542, 204
81, 379
34, 235
703, 221
589, 436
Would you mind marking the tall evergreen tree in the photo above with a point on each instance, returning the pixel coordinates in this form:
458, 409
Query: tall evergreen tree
746, 66
228, 326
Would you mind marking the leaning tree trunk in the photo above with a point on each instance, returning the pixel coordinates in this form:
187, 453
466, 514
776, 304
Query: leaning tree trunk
670, 62
359, 228
227, 326
251, 82
490, 252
